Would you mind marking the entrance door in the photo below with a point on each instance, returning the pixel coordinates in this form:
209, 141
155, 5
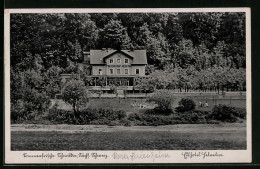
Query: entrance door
125, 82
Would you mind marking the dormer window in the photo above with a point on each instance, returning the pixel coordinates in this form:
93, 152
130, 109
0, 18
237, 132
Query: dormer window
118, 60
111, 60
126, 61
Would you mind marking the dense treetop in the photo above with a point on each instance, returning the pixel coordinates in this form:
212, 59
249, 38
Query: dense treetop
177, 40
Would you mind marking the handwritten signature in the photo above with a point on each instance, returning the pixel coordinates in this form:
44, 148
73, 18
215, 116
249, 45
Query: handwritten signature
136, 156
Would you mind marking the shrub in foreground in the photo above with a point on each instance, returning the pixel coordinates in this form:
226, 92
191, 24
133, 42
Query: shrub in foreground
86, 116
75, 93
61, 116
146, 118
185, 105
194, 117
163, 99
239, 112
227, 113
34, 104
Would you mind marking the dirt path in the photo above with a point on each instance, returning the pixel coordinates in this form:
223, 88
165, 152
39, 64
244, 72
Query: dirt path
188, 128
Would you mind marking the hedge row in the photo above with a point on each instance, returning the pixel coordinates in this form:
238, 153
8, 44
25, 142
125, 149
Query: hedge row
146, 117
86, 116
227, 113
224, 113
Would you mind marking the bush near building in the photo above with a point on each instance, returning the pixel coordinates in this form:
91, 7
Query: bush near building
75, 94
164, 100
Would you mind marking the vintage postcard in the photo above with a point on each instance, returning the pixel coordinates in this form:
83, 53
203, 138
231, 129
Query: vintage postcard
144, 85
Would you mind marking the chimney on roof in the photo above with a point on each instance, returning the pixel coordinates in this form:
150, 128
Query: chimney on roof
86, 56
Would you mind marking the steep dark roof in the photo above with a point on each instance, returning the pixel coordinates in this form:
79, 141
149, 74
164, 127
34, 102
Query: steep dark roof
121, 51
97, 56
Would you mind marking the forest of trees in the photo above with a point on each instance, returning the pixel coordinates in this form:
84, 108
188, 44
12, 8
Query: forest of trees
185, 51
202, 40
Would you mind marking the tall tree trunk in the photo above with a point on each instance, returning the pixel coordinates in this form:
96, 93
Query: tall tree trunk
75, 110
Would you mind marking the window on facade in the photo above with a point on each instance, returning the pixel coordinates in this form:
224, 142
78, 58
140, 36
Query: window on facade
126, 60
100, 71
111, 60
118, 71
126, 71
118, 60
137, 71
111, 71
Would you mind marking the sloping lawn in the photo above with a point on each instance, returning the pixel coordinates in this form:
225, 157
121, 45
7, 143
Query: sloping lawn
126, 104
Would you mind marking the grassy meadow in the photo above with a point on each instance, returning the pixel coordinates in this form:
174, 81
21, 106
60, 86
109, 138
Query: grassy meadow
177, 137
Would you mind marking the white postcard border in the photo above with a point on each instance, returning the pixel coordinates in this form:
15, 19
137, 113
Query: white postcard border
151, 156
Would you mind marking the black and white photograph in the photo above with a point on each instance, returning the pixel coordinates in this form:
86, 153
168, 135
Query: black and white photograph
127, 85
